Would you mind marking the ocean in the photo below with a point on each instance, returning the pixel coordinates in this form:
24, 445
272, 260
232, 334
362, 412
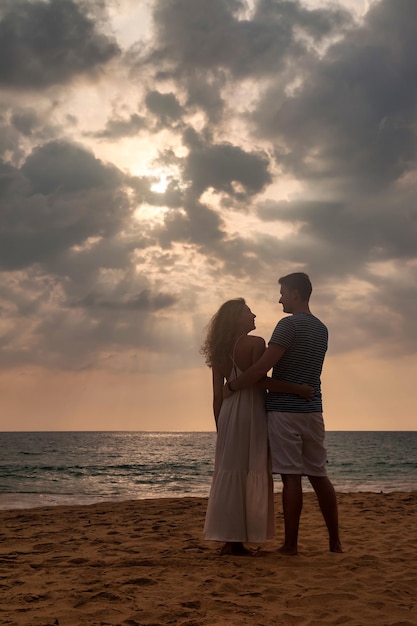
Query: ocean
52, 468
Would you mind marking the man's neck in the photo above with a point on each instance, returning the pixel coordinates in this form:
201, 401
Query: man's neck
303, 308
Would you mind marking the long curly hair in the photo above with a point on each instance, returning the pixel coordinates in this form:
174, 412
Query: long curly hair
222, 331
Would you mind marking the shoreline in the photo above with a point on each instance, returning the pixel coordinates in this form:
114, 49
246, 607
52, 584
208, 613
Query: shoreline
29, 501
144, 562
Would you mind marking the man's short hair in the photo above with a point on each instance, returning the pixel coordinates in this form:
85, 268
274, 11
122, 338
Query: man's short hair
298, 281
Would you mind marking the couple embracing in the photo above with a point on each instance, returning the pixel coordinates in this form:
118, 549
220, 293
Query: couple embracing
260, 434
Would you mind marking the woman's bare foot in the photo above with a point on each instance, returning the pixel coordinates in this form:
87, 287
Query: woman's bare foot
235, 548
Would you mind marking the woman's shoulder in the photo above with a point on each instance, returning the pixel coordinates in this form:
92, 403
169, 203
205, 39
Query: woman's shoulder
256, 338
251, 340
248, 350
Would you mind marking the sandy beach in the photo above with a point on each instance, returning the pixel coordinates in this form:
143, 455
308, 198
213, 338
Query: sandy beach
145, 563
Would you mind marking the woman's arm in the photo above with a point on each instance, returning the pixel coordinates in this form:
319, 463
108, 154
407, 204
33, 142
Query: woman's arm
282, 386
218, 380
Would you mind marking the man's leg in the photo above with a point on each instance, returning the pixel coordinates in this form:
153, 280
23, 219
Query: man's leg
328, 505
292, 504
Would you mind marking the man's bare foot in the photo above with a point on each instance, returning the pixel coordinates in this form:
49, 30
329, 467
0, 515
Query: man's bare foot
235, 548
336, 546
288, 550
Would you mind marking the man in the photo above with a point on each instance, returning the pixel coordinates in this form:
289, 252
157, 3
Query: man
296, 353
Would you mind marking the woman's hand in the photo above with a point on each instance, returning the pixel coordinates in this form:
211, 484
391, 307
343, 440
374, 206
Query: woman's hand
226, 392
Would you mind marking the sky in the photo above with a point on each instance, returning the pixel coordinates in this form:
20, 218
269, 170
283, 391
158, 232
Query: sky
158, 158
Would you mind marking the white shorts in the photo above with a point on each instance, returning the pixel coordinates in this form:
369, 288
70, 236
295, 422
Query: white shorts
296, 441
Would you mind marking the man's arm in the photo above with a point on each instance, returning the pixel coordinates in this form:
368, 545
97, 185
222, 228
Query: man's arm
282, 386
258, 370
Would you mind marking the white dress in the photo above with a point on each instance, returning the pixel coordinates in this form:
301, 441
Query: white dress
241, 505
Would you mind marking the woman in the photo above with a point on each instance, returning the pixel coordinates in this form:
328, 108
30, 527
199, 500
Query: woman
240, 506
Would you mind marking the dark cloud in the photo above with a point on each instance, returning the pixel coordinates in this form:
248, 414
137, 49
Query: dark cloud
195, 34
352, 122
206, 45
26, 121
61, 196
164, 105
44, 43
60, 166
117, 128
199, 226
373, 229
223, 166
293, 211
9, 182
9, 138
205, 94
23, 127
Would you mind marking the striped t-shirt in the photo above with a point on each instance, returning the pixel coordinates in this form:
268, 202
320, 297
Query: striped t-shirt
304, 338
